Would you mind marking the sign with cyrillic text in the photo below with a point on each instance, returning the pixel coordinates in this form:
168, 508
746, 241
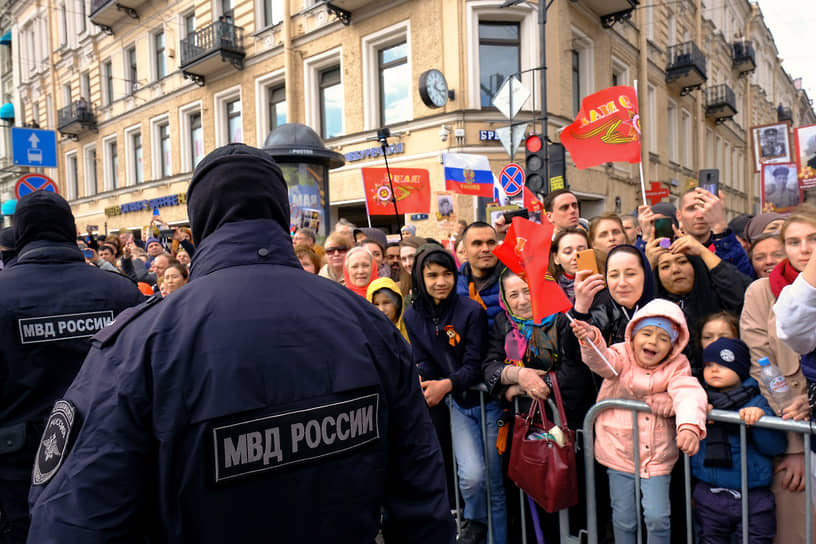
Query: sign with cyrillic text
268, 443
54, 328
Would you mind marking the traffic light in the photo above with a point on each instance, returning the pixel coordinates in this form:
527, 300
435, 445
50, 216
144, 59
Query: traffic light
534, 164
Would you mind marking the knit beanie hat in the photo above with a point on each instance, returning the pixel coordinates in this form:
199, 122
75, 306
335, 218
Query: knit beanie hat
662, 322
732, 353
236, 182
43, 215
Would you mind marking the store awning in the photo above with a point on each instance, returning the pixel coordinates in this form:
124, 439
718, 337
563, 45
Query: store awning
5, 39
7, 111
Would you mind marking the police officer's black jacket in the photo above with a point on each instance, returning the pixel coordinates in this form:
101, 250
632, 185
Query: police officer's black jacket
258, 403
51, 303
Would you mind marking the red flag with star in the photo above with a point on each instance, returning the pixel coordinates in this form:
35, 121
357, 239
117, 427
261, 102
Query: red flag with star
412, 190
529, 249
607, 129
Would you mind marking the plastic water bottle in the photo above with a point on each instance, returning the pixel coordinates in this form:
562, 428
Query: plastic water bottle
776, 383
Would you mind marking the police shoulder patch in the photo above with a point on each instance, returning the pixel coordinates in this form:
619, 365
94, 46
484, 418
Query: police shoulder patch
54, 443
109, 333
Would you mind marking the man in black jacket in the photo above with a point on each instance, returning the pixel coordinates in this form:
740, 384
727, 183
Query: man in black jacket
51, 303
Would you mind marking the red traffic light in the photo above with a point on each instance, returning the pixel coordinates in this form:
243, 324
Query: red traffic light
533, 143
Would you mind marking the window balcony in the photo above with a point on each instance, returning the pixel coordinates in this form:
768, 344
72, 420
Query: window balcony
686, 67
76, 118
743, 57
205, 51
104, 13
783, 114
720, 103
611, 11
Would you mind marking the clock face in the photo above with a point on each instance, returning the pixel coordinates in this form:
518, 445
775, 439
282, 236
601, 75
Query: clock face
434, 89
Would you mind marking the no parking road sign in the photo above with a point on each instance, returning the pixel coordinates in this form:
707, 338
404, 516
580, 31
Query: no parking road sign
34, 182
512, 179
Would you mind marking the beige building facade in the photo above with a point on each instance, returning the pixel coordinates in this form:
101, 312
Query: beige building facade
141, 92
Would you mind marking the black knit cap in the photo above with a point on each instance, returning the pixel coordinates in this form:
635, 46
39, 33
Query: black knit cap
236, 182
732, 353
43, 215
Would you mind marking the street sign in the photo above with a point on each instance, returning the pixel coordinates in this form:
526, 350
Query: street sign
33, 147
512, 179
511, 138
511, 88
34, 182
656, 192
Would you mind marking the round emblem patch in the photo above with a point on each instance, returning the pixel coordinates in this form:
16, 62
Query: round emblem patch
727, 355
54, 442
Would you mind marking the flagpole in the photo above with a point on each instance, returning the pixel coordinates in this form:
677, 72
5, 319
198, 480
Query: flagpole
642, 182
615, 372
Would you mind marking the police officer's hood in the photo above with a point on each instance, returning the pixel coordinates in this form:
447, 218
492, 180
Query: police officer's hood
43, 215
236, 182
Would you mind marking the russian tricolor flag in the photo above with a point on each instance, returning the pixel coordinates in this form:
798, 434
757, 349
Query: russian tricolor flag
468, 174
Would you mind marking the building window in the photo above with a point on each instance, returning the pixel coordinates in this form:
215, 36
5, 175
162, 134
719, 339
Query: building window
63, 26
620, 72
83, 15
165, 150
672, 24
582, 65
191, 136
132, 80
66, 95
276, 98
227, 10
71, 175
272, 12
685, 137
331, 102
671, 131
107, 82
111, 161
196, 139
576, 81
499, 56
135, 174
35, 114
85, 86
189, 24
395, 94
90, 170
158, 55
235, 133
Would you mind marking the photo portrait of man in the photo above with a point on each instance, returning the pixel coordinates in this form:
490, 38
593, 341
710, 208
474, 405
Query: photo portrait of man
781, 186
445, 205
810, 152
772, 144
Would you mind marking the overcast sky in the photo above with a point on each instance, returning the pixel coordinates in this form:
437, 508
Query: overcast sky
792, 23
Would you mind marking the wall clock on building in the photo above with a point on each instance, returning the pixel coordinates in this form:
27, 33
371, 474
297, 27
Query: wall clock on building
433, 88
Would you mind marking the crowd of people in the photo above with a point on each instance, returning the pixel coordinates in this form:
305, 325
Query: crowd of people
683, 321
678, 321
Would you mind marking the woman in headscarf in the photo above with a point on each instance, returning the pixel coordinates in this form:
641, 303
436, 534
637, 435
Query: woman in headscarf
385, 294
520, 353
359, 270
609, 302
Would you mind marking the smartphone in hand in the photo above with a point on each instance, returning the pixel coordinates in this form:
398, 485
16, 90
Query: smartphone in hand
586, 260
663, 228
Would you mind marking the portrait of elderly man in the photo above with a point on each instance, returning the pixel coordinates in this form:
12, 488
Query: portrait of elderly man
772, 143
781, 186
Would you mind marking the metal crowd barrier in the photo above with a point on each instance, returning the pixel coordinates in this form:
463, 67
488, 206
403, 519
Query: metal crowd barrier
723, 416
805, 428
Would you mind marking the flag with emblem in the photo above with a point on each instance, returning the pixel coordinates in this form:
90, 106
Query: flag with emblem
412, 190
531, 201
607, 129
468, 174
527, 247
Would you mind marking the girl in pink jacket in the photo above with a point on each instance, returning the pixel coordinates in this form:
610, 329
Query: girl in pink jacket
651, 368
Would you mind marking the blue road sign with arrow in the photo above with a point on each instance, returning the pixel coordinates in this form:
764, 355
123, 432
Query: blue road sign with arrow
34, 147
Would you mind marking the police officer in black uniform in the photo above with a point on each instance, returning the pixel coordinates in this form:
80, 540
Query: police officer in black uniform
258, 403
51, 303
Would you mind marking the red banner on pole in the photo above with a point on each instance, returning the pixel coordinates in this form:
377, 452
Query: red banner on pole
607, 129
412, 190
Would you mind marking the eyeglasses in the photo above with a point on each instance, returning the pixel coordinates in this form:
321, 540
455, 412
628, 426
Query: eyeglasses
333, 250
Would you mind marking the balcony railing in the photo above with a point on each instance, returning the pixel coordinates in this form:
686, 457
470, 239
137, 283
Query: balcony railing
743, 57
76, 118
104, 13
783, 114
686, 66
221, 41
721, 103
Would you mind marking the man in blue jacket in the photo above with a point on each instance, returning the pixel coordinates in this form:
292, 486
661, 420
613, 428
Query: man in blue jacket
257, 403
479, 276
51, 303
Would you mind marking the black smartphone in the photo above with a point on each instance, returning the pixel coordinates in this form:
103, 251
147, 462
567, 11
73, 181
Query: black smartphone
508, 216
663, 228
710, 181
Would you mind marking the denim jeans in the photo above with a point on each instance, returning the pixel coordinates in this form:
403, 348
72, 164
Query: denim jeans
466, 428
656, 507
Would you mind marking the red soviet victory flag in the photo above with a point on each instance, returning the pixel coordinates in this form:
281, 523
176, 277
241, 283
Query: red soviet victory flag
607, 129
412, 190
506, 252
532, 245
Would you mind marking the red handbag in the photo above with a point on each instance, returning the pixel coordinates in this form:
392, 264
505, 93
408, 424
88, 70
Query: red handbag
539, 466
